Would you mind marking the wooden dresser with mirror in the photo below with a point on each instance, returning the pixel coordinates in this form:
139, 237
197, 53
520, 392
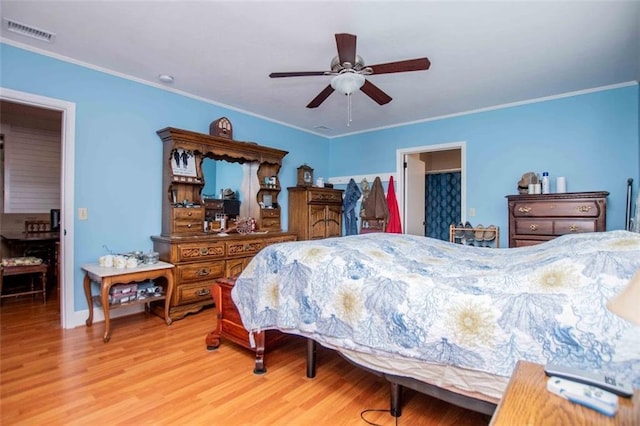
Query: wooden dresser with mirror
201, 254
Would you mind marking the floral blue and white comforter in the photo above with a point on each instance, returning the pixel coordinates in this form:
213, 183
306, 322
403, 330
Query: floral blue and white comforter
475, 308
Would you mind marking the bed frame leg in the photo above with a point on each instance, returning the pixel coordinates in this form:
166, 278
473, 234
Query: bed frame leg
311, 358
396, 400
260, 342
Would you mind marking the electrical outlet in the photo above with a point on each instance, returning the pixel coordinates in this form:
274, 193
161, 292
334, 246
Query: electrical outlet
82, 213
472, 212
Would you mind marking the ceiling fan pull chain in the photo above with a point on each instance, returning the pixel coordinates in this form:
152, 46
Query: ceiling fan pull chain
349, 110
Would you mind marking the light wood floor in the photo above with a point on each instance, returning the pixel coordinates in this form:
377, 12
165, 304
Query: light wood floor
150, 373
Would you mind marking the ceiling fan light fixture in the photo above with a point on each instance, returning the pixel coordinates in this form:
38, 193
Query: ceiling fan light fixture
347, 82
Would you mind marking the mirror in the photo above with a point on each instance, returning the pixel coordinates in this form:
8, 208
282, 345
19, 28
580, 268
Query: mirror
240, 177
219, 175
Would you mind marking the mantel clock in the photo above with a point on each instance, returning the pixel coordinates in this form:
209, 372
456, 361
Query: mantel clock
305, 175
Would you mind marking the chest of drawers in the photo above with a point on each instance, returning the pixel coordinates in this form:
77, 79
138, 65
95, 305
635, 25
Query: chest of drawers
200, 260
187, 221
534, 219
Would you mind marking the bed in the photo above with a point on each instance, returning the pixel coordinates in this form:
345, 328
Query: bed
447, 319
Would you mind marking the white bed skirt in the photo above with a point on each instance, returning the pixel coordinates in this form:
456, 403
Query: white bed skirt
475, 384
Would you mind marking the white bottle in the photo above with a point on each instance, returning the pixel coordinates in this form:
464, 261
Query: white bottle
545, 183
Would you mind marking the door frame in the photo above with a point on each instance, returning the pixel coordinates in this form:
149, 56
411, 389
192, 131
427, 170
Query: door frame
400, 171
67, 172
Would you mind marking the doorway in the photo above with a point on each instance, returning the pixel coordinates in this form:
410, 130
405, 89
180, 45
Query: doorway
417, 166
65, 255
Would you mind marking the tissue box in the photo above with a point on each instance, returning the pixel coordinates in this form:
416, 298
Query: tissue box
116, 299
122, 289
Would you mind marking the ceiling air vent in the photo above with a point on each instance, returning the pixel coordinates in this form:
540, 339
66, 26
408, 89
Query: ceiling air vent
26, 30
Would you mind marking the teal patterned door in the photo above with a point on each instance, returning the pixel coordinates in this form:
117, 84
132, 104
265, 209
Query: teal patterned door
442, 204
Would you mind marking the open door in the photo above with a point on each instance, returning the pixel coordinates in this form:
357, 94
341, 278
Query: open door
68, 319
412, 164
414, 194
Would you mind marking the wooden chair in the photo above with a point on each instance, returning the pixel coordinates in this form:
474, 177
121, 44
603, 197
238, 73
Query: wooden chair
32, 226
44, 250
30, 271
370, 225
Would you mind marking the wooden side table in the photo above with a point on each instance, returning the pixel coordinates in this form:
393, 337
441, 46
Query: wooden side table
527, 402
229, 325
108, 277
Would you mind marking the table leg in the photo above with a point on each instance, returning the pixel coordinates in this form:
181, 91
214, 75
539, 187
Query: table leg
167, 300
87, 293
105, 307
44, 287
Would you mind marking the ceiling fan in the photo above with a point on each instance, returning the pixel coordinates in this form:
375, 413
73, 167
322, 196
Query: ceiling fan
348, 71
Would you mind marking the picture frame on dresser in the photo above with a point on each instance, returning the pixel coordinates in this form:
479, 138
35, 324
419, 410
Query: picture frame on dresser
183, 163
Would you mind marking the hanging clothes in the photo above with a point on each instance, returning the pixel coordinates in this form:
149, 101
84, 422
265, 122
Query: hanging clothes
366, 189
394, 226
375, 206
351, 196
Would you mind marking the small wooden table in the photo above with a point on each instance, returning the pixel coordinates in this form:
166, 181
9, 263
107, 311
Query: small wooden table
527, 402
107, 277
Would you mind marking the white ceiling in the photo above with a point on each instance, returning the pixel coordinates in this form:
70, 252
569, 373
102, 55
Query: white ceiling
483, 54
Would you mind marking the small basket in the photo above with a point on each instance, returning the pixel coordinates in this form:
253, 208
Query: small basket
151, 258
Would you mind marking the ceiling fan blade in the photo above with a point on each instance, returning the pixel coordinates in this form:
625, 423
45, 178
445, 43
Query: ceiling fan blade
375, 93
346, 44
296, 74
419, 64
315, 103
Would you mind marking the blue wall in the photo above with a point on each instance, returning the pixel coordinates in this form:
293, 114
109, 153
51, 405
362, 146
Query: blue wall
118, 155
592, 139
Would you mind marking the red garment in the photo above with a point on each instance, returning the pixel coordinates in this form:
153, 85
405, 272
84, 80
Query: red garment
394, 226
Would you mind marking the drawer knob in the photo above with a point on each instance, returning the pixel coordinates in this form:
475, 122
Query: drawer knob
203, 292
524, 209
203, 272
533, 227
189, 213
204, 251
584, 209
188, 225
573, 228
